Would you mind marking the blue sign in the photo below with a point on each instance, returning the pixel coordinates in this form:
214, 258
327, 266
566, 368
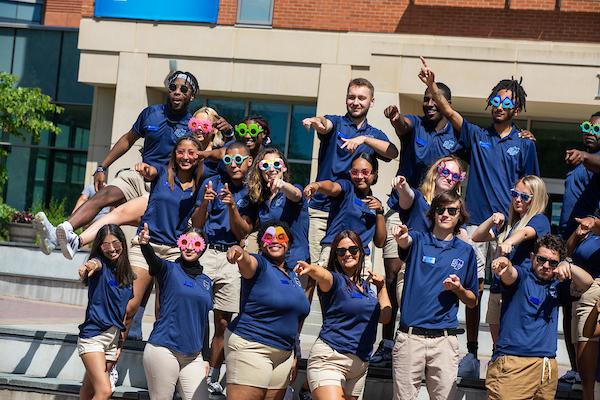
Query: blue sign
159, 10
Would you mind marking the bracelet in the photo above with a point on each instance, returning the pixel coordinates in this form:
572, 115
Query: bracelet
99, 168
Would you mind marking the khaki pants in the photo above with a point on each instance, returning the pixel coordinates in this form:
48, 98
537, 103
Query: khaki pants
521, 378
226, 280
415, 355
484, 251
581, 310
316, 232
131, 183
390, 249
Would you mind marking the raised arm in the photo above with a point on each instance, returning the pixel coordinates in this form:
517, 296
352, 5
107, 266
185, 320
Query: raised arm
385, 305
385, 149
147, 171
290, 191
155, 263
406, 196
241, 225
321, 125
380, 230
121, 147
200, 214
583, 229
328, 188
401, 236
589, 161
504, 269
579, 277
245, 262
484, 232
322, 276
400, 123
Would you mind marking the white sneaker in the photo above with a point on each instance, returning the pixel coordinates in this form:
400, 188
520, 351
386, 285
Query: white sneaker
113, 376
215, 388
46, 232
67, 240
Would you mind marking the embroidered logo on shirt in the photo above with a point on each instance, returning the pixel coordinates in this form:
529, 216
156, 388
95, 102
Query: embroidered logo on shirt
428, 260
552, 292
279, 201
284, 282
241, 203
457, 264
179, 132
513, 151
448, 144
485, 145
297, 281
206, 285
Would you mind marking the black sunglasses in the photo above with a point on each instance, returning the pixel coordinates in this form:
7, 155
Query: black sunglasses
543, 260
182, 88
451, 210
341, 251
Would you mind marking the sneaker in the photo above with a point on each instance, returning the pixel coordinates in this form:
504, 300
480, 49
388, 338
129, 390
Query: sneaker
570, 377
304, 394
46, 232
215, 388
468, 367
67, 240
382, 358
113, 376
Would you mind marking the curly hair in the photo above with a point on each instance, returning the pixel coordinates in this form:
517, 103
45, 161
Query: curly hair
258, 190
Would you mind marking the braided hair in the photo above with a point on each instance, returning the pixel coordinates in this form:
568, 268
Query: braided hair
518, 93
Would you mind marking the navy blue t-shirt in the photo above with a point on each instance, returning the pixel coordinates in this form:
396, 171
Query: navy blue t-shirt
217, 226
415, 218
160, 129
529, 317
184, 305
495, 166
350, 212
335, 162
350, 317
168, 212
107, 302
296, 216
211, 168
429, 261
582, 194
273, 305
587, 255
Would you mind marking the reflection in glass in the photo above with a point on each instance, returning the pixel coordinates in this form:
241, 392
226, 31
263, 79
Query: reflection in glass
277, 116
256, 12
301, 141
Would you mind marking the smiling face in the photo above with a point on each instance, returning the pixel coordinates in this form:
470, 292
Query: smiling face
237, 171
268, 167
590, 140
253, 143
445, 183
111, 247
204, 137
361, 174
186, 155
430, 109
446, 220
500, 114
179, 101
191, 245
347, 260
275, 242
358, 101
519, 205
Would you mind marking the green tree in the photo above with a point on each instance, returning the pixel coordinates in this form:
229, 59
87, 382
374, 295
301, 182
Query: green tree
23, 113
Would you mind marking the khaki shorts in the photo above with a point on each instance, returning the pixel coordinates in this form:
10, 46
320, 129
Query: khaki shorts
131, 184
514, 377
251, 245
106, 343
484, 251
255, 364
137, 259
581, 310
494, 308
226, 280
326, 251
327, 367
316, 231
390, 249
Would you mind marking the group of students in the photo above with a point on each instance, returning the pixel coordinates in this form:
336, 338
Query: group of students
204, 187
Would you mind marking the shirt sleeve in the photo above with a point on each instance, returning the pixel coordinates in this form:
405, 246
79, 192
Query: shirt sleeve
471, 280
138, 125
88, 191
467, 134
530, 161
261, 265
405, 254
156, 265
326, 297
540, 225
335, 121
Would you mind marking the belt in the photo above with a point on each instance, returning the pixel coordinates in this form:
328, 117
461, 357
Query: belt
218, 247
431, 333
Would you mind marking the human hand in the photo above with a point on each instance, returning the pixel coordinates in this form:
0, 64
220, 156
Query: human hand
575, 157
145, 170
304, 268
234, 253
89, 268
316, 123
373, 203
563, 271
99, 180
311, 189
452, 283
500, 265
209, 192
226, 196
352, 144
426, 75
376, 279
392, 113
400, 232
398, 182
144, 236
526, 134
498, 220
222, 125
505, 248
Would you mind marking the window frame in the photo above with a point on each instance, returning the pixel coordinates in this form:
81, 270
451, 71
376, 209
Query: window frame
254, 24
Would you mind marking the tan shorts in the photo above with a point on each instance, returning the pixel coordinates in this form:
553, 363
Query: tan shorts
106, 343
390, 249
131, 184
327, 367
484, 251
316, 231
326, 251
494, 308
226, 280
581, 310
251, 245
514, 377
136, 258
255, 364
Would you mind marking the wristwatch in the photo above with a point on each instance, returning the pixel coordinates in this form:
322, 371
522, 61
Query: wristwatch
379, 212
99, 168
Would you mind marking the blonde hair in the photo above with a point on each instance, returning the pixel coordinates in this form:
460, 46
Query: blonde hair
537, 206
428, 185
258, 190
210, 113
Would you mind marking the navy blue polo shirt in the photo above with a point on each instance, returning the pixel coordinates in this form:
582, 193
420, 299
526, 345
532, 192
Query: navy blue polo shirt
529, 317
335, 162
296, 216
582, 194
495, 166
587, 255
211, 168
107, 302
184, 305
217, 226
160, 129
421, 147
415, 218
168, 211
348, 211
429, 261
273, 305
350, 317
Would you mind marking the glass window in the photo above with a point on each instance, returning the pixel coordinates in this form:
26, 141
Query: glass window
553, 139
300, 173
69, 89
232, 110
277, 116
21, 11
7, 40
301, 142
255, 12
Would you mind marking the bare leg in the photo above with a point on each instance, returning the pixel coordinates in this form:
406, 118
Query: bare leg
330, 393
567, 315
217, 346
97, 374
244, 392
392, 266
586, 365
109, 196
141, 285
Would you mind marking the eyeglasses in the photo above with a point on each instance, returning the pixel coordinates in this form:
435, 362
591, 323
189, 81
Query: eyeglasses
191, 242
543, 260
455, 176
238, 159
182, 88
341, 251
452, 211
114, 245
251, 130
524, 196
266, 165
498, 101
587, 127
360, 172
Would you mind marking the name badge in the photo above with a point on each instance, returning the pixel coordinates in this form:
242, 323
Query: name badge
341, 135
112, 282
285, 282
151, 128
188, 283
534, 300
485, 145
421, 141
428, 260
356, 295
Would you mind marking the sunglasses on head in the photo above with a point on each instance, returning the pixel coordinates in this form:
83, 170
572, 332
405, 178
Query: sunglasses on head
341, 251
266, 165
498, 101
182, 88
238, 159
360, 172
250, 130
445, 172
543, 260
524, 196
452, 211
588, 127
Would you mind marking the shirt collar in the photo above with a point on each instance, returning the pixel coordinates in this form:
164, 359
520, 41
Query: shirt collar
435, 241
348, 122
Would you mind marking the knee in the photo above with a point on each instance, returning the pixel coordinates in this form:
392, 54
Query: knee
103, 392
220, 326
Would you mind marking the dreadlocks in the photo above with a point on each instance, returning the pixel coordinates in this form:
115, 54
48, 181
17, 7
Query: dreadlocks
518, 93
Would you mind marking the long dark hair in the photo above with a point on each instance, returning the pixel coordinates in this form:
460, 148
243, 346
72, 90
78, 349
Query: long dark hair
371, 159
125, 275
172, 166
333, 263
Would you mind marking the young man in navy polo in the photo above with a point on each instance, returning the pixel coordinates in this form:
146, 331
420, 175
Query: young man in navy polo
498, 156
524, 361
441, 270
424, 140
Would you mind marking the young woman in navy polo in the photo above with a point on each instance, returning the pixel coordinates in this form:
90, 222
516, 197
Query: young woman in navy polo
516, 235
353, 206
110, 279
173, 355
338, 361
261, 341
